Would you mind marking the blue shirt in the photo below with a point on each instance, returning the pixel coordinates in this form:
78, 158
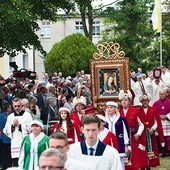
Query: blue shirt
3, 119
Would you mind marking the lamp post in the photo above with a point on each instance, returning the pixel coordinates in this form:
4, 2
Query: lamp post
33, 58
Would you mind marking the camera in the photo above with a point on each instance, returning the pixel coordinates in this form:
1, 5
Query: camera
32, 109
22, 73
19, 76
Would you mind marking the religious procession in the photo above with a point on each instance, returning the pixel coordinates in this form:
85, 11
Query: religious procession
58, 113
76, 104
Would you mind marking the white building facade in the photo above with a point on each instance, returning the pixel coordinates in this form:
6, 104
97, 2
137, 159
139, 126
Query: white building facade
49, 34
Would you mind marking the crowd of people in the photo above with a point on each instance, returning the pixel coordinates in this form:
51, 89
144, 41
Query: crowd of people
52, 124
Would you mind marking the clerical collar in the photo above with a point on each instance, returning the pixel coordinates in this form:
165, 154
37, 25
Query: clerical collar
19, 114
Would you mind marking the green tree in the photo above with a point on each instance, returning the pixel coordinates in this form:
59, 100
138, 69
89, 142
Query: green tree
18, 22
70, 55
88, 12
128, 23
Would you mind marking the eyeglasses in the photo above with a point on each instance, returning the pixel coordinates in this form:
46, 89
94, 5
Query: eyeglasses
51, 167
59, 146
17, 106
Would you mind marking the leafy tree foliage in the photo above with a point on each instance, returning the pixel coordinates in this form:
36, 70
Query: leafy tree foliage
70, 55
87, 11
166, 42
128, 23
18, 22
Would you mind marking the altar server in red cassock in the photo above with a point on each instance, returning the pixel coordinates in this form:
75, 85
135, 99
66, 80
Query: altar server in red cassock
152, 121
135, 125
67, 126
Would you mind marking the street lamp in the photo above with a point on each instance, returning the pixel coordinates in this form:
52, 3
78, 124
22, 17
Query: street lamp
33, 58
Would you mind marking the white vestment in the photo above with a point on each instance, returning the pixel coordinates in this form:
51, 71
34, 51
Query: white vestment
17, 135
72, 164
110, 159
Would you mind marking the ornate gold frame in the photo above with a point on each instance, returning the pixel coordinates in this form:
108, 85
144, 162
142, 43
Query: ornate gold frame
108, 61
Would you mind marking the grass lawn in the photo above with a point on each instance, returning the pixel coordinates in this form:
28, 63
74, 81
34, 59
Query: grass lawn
165, 164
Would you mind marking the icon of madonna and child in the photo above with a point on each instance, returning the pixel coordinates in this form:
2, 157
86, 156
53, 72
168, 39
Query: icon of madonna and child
110, 88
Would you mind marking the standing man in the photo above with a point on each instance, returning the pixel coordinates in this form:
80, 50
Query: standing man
136, 127
41, 100
69, 87
59, 141
45, 79
61, 79
139, 73
91, 150
17, 127
76, 79
151, 119
163, 107
6, 141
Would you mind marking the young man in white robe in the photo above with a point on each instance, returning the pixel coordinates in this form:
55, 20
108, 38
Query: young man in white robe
91, 150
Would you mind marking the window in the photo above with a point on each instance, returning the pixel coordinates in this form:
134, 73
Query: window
25, 61
46, 29
79, 27
96, 28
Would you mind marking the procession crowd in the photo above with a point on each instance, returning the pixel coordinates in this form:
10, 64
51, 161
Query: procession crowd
53, 124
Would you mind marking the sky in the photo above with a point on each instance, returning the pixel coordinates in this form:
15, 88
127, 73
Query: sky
104, 2
95, 3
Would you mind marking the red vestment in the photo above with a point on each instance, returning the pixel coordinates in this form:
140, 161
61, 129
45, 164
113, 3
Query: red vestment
90, 109
72, 134
149, 119
75, 117
108, 138
163, 108
77, 123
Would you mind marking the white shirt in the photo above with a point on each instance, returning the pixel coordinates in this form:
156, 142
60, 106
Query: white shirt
94, 147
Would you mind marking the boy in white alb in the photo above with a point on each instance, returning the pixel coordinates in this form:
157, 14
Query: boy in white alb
92, 151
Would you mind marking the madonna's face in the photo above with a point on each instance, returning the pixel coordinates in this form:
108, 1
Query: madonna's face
110, 80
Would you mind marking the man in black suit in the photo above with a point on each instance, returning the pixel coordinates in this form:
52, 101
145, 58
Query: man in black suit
91, 150
41, 100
